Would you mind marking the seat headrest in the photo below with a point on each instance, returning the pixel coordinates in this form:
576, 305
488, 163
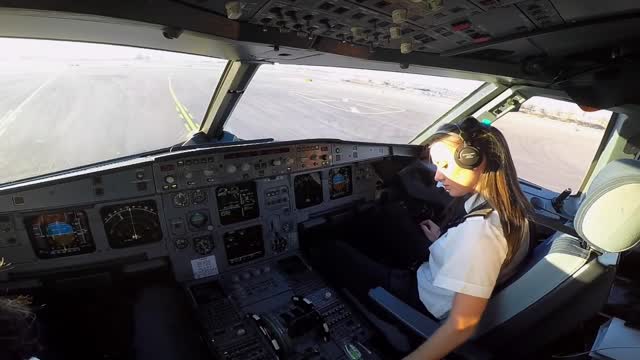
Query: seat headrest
609, 217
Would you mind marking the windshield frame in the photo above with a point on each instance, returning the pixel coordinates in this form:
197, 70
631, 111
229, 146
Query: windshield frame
232, 84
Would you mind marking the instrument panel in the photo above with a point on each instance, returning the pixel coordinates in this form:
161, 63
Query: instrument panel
237, 202
131, 224
340, 182
208, 210
308, 189
59, 234
244, 245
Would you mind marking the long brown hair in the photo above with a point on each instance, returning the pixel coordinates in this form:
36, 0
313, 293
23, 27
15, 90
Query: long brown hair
498, 183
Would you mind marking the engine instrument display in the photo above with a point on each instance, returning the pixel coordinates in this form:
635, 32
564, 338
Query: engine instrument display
60, 234
308, 190
132, 224
237, 202
244, 245
340, 184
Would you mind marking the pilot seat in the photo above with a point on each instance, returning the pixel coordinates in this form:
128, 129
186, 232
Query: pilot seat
565, 281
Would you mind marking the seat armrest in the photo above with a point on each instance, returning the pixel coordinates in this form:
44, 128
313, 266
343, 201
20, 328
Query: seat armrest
421, 324
408, 316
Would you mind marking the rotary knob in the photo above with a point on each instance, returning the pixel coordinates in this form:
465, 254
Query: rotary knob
198, 196
180, 199
245, 167
231, 169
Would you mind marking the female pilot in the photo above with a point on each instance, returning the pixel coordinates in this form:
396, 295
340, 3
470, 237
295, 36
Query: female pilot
467, 258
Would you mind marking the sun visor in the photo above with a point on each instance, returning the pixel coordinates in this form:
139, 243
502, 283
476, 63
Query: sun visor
613, 86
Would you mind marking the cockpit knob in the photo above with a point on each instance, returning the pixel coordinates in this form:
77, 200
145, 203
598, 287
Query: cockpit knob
234, 9
276, 162
231, 169
245, 167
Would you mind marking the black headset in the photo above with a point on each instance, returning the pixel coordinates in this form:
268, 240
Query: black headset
466, 155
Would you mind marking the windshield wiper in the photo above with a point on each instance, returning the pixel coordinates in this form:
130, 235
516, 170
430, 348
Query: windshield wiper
202, 140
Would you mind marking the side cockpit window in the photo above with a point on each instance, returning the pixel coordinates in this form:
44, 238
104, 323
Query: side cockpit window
553, 142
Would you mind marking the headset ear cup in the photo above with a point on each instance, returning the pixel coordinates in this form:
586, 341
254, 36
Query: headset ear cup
468, 157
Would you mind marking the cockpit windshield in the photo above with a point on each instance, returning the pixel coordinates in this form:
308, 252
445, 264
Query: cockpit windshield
291, 102
68, 104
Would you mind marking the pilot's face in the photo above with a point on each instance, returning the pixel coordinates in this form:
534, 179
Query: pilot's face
457, 181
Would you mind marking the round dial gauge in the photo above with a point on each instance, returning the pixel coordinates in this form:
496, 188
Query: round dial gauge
203, 245
132, 224
180, 199
198, 196
198, 219
181, 243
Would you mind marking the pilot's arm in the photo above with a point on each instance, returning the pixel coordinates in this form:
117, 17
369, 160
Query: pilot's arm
463, 319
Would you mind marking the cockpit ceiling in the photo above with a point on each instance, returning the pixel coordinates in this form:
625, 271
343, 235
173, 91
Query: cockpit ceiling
453, 34
430, 26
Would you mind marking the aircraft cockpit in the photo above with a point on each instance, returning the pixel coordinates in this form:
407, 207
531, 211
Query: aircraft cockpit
172, 172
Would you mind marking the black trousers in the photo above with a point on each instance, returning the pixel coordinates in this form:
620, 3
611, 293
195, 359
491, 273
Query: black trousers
381, 248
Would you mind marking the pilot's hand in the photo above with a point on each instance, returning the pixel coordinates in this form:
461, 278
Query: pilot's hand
430, 230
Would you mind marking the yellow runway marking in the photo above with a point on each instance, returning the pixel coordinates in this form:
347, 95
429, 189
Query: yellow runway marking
182, 111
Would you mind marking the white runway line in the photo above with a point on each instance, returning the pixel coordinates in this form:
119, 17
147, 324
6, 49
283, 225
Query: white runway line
11, 115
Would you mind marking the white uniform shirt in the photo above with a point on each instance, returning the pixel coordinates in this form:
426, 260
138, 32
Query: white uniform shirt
466, 259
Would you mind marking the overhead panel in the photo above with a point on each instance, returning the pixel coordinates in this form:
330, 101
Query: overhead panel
487, 5
502, 22
575, 10
249, 7
430, 26
541, 12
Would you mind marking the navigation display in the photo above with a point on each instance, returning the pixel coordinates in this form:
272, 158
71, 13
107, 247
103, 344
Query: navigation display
244, 245
60, 234
131, 224
308, 190
340, 184
237, 202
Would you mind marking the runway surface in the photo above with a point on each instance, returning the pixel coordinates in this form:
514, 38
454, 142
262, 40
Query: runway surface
57, 117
